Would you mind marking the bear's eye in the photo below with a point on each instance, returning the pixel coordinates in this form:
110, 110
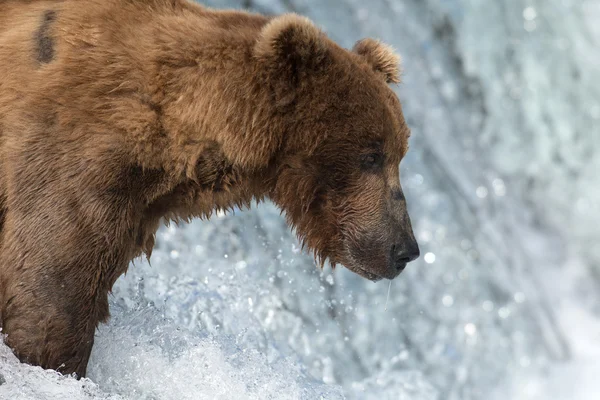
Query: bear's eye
372, 161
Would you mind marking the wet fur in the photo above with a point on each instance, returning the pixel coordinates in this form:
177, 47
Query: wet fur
117, 114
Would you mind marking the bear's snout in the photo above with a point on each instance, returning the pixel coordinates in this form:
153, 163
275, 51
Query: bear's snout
403, 253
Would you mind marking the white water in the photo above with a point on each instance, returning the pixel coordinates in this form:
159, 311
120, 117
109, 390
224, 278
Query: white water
503, 186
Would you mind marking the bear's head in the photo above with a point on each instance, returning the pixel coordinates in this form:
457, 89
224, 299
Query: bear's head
343, 138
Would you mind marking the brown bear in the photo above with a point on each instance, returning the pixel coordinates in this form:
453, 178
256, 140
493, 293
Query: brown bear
117, 114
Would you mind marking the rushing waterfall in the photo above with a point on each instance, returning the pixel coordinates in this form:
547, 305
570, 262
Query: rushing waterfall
503, 186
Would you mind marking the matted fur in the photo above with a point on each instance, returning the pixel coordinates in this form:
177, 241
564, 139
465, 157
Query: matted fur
117, 114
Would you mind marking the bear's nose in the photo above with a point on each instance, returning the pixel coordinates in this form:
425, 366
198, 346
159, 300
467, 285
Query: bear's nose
403, 253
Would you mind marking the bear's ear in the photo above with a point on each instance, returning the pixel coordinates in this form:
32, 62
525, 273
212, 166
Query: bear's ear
382, 58
290, 47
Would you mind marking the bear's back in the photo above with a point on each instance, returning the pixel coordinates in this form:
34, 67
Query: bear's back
80, 63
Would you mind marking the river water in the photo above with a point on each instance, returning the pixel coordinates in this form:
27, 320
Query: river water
503, 186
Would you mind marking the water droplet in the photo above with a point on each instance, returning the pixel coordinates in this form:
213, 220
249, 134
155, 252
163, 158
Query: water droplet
503, 312
482, 192
425, 236
429, 258
447, 300
487, 306
470, 329
529, 14
519, 297
499, 187
418, 179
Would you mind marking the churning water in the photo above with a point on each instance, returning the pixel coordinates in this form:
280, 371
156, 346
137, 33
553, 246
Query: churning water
503, 185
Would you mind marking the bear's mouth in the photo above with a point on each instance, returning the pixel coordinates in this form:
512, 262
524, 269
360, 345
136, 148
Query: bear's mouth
354, 265
366, 274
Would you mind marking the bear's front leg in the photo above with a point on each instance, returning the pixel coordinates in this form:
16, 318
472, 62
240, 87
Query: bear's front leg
54, 283
50, 319
42, 330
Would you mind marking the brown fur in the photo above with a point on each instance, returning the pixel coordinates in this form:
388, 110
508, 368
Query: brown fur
115, 114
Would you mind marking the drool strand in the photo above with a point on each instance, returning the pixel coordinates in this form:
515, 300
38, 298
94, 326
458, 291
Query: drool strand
388, 295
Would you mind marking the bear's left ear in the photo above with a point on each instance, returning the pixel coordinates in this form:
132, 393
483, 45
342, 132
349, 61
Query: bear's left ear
382, 58
289, 48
